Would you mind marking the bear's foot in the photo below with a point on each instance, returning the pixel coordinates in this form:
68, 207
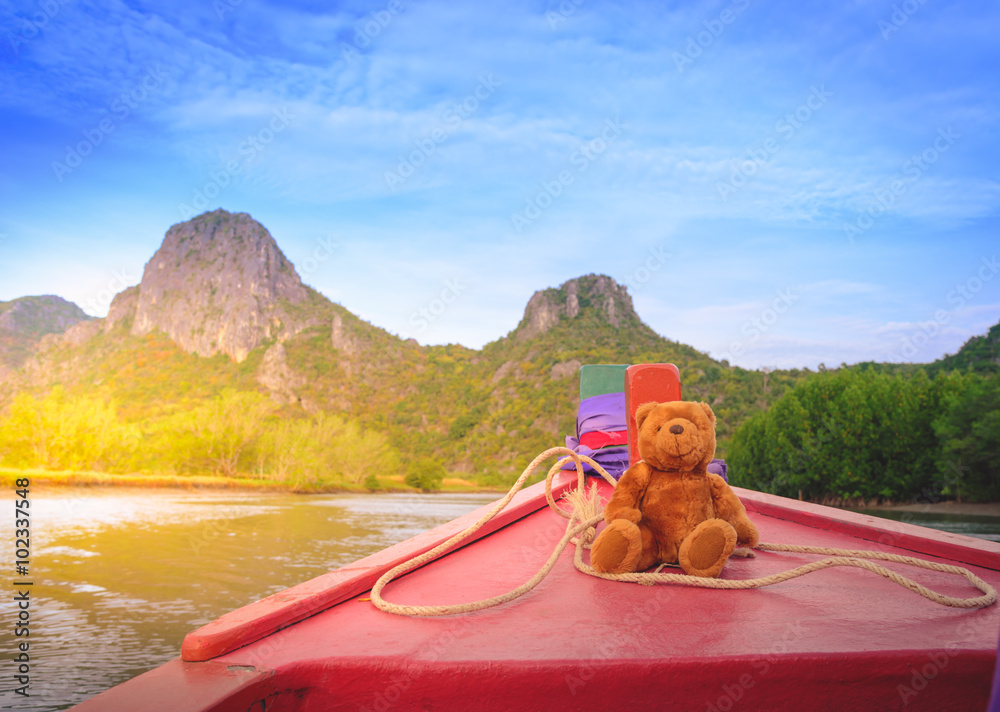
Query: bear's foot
707, 549
617, 549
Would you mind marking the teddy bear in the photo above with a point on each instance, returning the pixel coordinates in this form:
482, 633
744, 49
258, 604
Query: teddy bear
667, 508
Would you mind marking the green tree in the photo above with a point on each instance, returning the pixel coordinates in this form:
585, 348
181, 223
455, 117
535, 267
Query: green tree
426, 473
324, 449
59, 432
227, 427
849, 434
968, 426
363, 452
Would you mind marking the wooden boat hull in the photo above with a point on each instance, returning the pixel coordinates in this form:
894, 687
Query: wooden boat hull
834, 640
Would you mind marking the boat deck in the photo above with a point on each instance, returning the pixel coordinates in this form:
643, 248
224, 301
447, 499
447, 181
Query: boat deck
836, 639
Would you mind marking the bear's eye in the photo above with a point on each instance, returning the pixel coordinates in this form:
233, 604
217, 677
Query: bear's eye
659, 428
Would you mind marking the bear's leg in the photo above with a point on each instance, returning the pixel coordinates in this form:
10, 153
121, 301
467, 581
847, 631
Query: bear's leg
617, 549
706, 549
651, 553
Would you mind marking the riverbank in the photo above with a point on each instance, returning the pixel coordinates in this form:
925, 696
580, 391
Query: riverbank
51, 478
965, 509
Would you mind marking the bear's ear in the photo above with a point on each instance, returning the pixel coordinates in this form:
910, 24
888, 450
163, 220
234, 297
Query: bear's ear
708, 412
643, 411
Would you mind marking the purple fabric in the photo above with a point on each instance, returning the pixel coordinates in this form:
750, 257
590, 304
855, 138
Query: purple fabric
718, 467
613, 459
605, 412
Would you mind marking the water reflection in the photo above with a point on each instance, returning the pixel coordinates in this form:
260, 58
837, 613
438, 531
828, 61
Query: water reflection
981, 527
120, 576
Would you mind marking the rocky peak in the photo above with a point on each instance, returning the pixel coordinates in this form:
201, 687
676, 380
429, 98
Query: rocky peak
37, 316
216, 284
594, 296
24, 321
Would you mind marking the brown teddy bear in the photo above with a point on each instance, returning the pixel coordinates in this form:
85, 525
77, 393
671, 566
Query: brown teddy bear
667, 508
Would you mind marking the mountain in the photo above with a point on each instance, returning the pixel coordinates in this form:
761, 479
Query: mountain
25, 321
980, 353
222, 360
220, 307
596, 296
218, 284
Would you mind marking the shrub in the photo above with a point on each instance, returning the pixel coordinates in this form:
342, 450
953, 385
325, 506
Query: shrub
425, 474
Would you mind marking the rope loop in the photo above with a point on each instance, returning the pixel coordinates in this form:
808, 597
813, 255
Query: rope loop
577, 533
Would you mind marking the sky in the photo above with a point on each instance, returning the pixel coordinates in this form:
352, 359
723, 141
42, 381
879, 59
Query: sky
778, 184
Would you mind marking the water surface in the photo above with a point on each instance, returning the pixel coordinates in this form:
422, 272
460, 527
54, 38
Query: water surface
979, 526
120, 576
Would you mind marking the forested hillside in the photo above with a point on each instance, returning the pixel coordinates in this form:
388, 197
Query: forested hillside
304, 411
868, 434
221, 361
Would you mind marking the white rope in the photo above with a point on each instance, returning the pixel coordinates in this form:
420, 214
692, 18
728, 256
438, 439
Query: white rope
575, 527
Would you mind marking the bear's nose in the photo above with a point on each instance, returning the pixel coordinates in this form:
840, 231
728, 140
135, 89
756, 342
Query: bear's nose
677, 429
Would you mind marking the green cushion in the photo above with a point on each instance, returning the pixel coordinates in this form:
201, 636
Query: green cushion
598, 379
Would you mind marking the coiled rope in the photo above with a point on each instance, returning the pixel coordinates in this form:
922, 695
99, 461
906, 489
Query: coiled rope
582, 525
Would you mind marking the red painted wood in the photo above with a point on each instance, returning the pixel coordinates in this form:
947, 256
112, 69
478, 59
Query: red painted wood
959, 549
281, 609
202, 687
839, 639
658, 382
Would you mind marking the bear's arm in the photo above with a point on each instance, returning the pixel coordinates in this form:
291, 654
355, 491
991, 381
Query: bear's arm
729, 507
624, 503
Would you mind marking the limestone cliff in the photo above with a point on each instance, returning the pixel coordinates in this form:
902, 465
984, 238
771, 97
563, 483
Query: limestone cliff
218, 283
595, 296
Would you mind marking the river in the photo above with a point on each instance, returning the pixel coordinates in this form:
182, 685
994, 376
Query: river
981, 527
121, 575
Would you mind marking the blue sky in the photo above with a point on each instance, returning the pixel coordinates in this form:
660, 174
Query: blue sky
779, 184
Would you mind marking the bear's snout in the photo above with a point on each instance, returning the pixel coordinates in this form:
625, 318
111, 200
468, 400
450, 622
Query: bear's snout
677, 429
